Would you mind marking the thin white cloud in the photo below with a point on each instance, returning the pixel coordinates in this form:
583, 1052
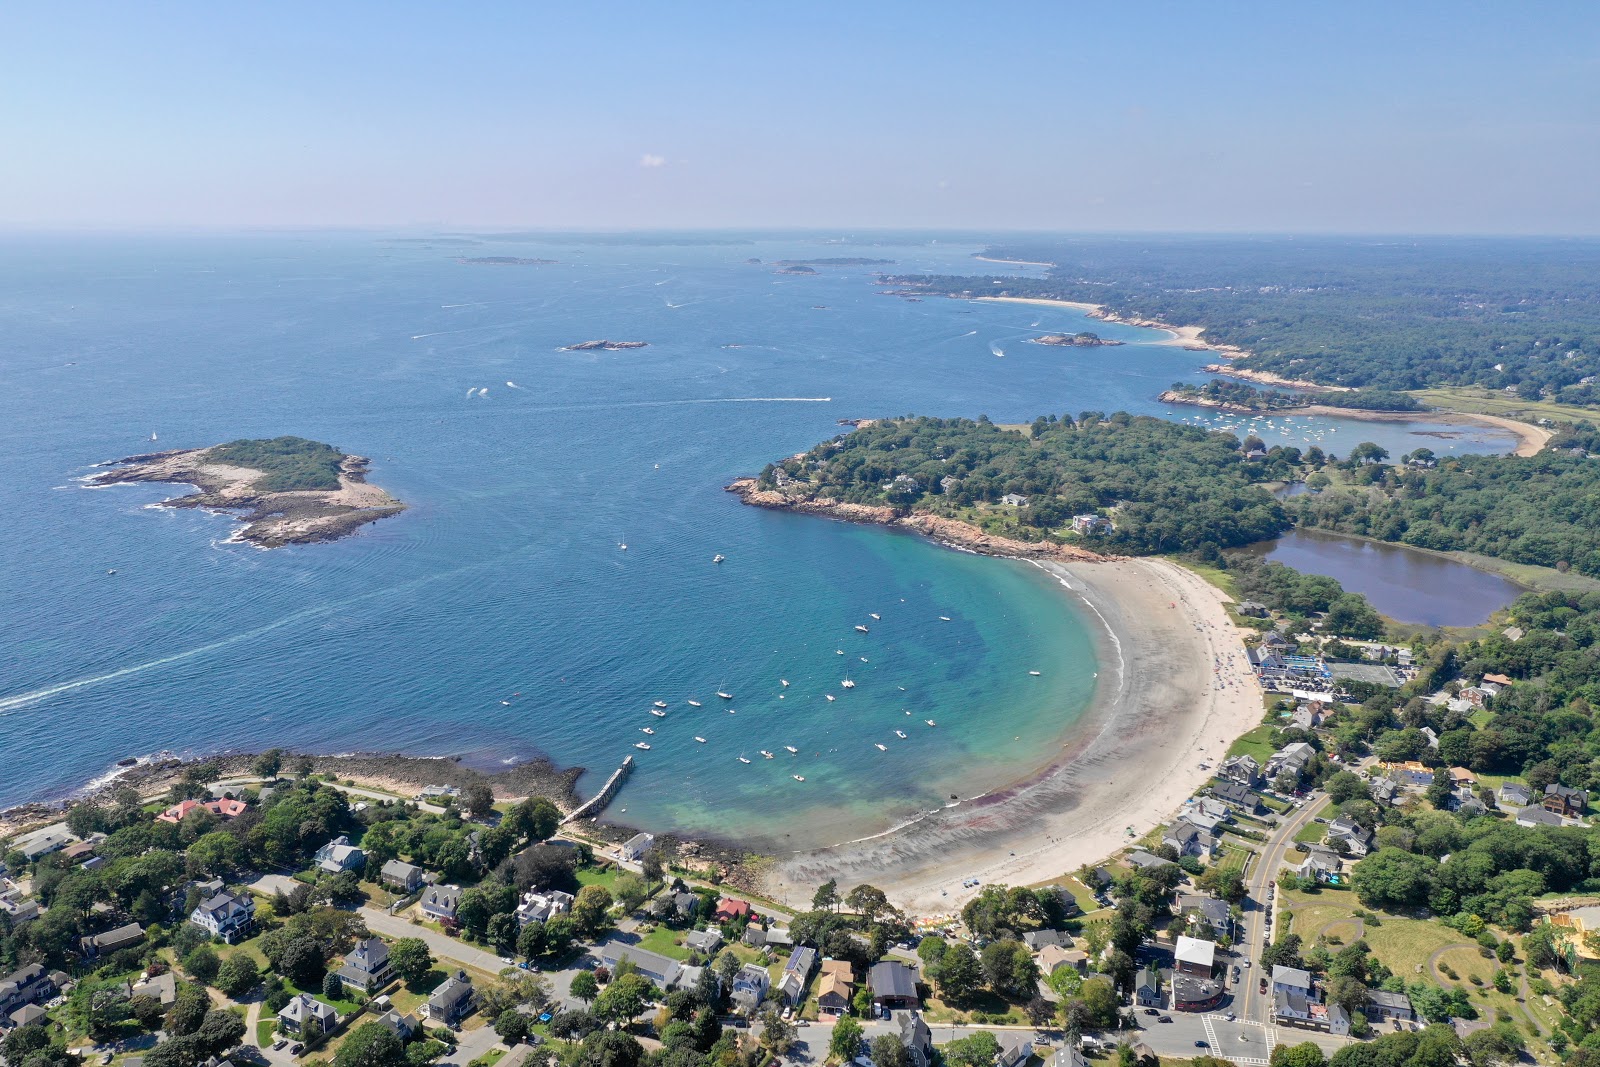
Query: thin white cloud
649, 160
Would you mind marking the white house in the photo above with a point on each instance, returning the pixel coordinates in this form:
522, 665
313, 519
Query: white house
226, 915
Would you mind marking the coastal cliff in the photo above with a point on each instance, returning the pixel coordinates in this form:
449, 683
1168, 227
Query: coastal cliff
950, 532
296, 492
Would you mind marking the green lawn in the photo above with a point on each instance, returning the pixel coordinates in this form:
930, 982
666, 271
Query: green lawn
602, 876
1256, 743
264, 1029
1312, 832
343, 1005
664, 939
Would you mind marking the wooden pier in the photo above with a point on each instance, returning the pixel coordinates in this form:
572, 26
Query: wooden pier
596, 804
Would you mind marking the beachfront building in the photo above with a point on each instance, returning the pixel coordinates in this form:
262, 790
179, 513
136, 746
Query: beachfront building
1242, 769
1290, 759
1091, 525
1191, 839
230, 916
731, 909
1237, 795
634, 849
894, 986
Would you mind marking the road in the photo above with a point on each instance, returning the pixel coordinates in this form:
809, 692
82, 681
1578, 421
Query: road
442, 947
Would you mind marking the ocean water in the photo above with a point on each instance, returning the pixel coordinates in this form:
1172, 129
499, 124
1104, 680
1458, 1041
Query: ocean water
499, 617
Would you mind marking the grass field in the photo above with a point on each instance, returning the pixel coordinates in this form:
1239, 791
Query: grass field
1484, 402
264, 1029
664, 939
1312, 832
1254, 744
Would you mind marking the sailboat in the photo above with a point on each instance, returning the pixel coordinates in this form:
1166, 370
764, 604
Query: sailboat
152, 437
847, 684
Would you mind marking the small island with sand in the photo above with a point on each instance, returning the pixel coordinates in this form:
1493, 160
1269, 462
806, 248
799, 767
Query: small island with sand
604, 346
1073, 340
292, 491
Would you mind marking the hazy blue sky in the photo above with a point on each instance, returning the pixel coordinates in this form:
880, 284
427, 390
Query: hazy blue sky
1395, 116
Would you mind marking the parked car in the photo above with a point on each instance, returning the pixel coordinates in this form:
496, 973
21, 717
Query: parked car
1152, 1011
1164, 1019
1201, 1044
280, 1044
296, 1048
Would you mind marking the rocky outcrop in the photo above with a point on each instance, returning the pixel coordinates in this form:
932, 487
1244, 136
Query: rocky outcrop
946, 531
1073, 340
605, 346
1172, 396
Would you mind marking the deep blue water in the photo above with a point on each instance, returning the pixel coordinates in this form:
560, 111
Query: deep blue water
505, 576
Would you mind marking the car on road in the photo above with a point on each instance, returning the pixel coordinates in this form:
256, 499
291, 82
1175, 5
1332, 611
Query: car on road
280, 1044
1164, 1019
1263, 986
296, 1048
1152, 1011
508, 961
1201, 1044
1230, 1016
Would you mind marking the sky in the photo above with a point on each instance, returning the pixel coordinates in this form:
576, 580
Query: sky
1354, 117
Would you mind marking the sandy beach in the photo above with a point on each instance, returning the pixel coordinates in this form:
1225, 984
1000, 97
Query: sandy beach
1129, 762
1181, 336
1531, 439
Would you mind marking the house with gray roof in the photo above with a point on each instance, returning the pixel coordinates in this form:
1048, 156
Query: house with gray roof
439, 903
451, 1000
96, 945
406, 877
366, 966
893, 985
750, 987
339, 855
230, 916
662, 970
306, 1015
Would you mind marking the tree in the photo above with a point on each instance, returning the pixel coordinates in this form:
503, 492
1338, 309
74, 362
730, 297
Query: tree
960, 974
868, 902
1096, 1004
203, 964
1390, 879
629, 891
978, 1050
590, 908
826, 898
473, 911
1305, 1054
333, 987
503, 932
624, 998
188, 1011
302, 961
846, 1040
512, 1026
220, 1030
584, 987
536, 818
477, 800
652, 866
411, 960
777, 1033
610, 1048
371, 1045
890, 1051
237, 975
268, 764
531, 941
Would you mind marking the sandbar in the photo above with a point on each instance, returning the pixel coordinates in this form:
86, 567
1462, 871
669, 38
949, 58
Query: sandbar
1128, 762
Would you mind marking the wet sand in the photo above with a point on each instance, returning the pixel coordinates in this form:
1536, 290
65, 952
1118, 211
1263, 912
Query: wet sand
1129, 762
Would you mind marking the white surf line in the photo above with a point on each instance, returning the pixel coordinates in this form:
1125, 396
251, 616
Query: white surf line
18, 701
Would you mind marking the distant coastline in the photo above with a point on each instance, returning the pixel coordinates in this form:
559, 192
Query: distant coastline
273, 517
505, 261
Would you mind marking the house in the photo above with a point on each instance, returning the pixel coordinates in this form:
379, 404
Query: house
685, 905
915, 1035
43, 842
1564, 801
541, 907
226, 808
634, 849
1190, 839
1411, 774
1237, 794
438, 792
1067, 1055
366, 966
1296, 1000
1147, 988
1200, 819
1514, 795
230, 916
1038, 939
750, 986
796, 973
1054, 957
1532, 816
1242, 769
1142, 860
661, 970
1194, 956
1253, 609
1384, 790
28, 1015
893, 985
339, 855
1290, 759
406, 877
1430, 736
306, 1015
1091, 525
705, 942
97, 945
833, 994
769, 937
1305, 717
1208, 909
1460, 777
176, 813
406, 1027
1320, 864
451, 1000
1497, 679
26, 985
1015, 1048
1357, 839
1203, 808
1394, 1007
440, 902
163, 988
730, 909
1014, 500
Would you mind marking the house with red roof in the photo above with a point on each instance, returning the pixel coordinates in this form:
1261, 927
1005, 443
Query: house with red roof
225, 808
176, 813
731, 908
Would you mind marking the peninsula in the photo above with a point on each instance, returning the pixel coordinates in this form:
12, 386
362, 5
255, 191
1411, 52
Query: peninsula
290, 490
604, 346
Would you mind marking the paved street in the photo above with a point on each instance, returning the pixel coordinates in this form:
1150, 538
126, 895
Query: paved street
443, 948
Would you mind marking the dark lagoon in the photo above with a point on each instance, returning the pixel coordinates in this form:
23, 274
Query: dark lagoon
1402, 583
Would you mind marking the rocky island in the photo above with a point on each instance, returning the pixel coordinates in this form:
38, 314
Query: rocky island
798, 268
505, 261
1073, 340
604, 346
292, 491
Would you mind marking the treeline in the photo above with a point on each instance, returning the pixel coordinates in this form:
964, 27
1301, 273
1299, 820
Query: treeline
1535, 509
1522, 314
1241, 395
1299, 596
1167, 487
290, 463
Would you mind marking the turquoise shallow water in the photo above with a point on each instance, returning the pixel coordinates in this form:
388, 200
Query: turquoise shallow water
505, 577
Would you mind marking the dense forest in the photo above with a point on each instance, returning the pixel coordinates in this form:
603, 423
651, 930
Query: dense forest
1166, 487
1543, 509
1518, 314
1240, 396
290, 463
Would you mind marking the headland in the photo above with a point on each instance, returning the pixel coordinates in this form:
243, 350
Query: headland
291, 491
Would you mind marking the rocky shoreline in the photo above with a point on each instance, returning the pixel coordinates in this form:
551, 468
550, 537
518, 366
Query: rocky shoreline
950, 532
272, 519
604, 346
1074, 340
1172, 396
